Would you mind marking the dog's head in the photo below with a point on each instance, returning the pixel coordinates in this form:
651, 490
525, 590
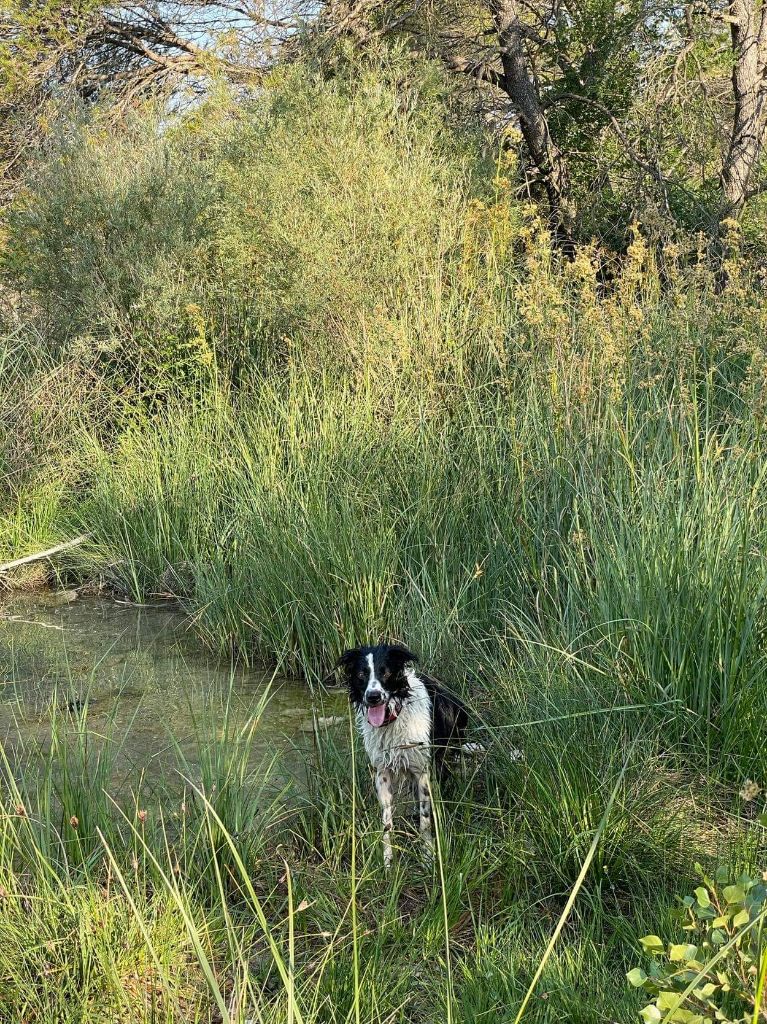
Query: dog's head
377, 680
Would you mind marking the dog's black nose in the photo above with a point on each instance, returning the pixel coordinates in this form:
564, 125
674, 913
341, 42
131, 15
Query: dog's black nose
373, 698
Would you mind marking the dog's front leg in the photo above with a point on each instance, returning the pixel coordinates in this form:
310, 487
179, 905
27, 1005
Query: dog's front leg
385, 790
424, 812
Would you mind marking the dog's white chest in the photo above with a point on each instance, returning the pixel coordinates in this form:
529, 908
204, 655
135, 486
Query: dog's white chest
404, 744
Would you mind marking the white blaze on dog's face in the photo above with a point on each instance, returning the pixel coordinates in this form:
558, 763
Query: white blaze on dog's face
376, 697
378, 682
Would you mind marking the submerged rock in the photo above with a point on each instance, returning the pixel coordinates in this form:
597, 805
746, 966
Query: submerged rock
322, 722
56, 598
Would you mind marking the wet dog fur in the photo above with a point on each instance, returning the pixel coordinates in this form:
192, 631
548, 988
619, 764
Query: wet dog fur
407, 721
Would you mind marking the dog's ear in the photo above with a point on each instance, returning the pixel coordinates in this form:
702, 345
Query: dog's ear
402, 656
346, 662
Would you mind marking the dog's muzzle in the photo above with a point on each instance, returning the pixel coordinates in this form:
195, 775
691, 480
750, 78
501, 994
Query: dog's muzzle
380, 711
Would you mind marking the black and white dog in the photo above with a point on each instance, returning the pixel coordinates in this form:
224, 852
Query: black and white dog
406, 720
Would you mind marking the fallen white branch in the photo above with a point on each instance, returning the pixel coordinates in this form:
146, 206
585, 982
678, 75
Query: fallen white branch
30, 622
43, 554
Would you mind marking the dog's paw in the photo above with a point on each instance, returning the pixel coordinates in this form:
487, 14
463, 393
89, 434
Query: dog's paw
473, 749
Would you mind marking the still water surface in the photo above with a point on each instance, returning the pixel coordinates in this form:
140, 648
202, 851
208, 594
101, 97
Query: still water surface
144, 682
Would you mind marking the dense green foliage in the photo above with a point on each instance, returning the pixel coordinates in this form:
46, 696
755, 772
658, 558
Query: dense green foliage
248, 233
719, 975
303, 363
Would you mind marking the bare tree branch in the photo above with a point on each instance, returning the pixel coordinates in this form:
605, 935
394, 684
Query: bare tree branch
482, 72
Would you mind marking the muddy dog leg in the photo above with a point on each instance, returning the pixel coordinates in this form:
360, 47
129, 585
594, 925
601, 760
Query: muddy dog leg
425, 813
385, 790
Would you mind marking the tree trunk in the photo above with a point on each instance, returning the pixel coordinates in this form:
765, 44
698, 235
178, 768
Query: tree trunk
520, 86
747, 134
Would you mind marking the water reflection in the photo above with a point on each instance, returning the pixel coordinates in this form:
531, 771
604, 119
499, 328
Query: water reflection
143, 682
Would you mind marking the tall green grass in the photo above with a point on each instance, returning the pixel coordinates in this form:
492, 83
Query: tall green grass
496, 542
302, 362
224, 902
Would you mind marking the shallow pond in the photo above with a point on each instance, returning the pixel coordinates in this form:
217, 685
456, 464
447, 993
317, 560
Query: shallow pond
144, 684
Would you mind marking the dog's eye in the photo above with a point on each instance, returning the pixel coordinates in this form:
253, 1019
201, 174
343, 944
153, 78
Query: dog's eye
360, 675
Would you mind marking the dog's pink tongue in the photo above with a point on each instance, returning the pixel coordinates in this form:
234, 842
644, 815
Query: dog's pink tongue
377, 714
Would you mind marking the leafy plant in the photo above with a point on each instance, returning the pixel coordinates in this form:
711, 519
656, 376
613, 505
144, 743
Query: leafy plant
719, 973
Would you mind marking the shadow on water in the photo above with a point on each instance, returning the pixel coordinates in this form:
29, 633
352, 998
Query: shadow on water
143, 683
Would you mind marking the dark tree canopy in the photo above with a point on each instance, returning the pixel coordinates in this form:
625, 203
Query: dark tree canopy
626, 108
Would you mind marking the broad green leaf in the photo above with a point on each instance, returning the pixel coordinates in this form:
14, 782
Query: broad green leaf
650, 1014
705, 991
666, 1000
636, 977
740, 919
682, 951
758, 893
653, 944
724, 980
702, 896
680, 1015
734, 894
